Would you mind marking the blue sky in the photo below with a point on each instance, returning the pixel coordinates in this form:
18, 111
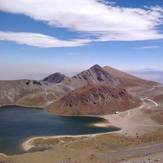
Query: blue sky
37, 39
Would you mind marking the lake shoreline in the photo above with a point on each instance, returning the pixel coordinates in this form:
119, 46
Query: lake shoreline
19, 106
28, 143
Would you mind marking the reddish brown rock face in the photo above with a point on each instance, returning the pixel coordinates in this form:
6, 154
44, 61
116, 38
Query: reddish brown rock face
93, 99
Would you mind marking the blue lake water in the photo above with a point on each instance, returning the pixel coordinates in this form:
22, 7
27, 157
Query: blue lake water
19, 123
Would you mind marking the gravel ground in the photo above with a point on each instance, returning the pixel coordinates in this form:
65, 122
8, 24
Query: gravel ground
149, 158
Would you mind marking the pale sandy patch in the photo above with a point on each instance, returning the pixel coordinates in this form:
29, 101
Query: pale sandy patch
3, 155
134, 122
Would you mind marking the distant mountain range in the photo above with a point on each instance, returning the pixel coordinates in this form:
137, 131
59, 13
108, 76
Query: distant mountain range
149, 74
97, 90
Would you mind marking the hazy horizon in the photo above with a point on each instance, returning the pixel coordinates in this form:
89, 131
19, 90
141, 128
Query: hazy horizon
148, 73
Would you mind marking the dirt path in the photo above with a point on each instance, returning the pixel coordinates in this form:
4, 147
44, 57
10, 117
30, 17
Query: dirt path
135, 121
151, 158
152, 101
141, 154
132, 153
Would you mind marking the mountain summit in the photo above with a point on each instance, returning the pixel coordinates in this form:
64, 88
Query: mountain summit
55, 78
97, 75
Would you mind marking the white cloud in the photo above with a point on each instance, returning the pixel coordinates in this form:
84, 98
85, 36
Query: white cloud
40, 40
104, 21
149, 47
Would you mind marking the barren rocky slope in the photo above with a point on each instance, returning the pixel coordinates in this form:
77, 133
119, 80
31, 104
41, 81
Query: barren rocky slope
30, 92
95, 100
129, 81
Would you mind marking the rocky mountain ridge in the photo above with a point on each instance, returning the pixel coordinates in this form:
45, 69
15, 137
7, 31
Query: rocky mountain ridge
56, 87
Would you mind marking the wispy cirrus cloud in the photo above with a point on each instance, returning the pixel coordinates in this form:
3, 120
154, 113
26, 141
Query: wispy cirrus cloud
103, 21
149, 47
40, 40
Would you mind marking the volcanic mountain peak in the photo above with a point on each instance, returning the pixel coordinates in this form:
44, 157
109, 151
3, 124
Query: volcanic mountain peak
96, 67
97, 75
55, 78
